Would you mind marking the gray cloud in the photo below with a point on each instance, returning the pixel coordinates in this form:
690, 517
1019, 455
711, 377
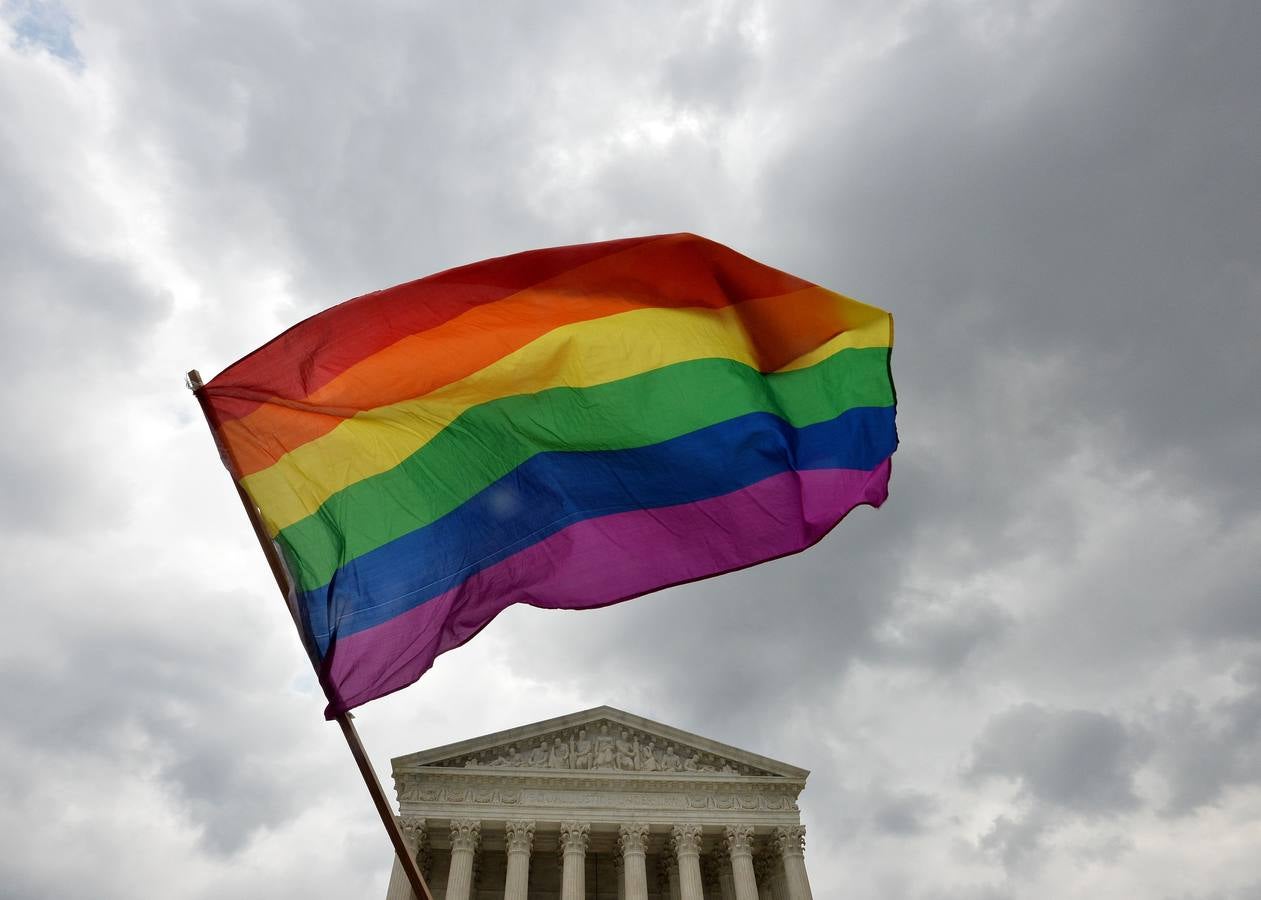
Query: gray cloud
941, 636
968, 892
68, 316
1077, 759
147, 690
715, 73
1075, 161
1018, 840
904, 813
1245, 893
1203, 753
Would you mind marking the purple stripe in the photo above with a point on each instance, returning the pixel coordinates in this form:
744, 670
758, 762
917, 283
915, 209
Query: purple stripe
597, 562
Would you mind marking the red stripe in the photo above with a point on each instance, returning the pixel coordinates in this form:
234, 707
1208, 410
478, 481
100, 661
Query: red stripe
316, 350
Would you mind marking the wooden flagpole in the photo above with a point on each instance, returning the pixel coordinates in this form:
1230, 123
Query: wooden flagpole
281, 574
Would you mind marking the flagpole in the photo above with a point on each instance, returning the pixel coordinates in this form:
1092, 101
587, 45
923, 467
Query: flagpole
344, 719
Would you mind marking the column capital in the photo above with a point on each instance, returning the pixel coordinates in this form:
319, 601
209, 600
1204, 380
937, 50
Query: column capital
465, 834
686, 839
739, 840
519, 836
413, 828
633, 838
574, 837
790, 840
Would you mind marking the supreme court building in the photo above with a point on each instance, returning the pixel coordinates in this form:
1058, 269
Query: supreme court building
601, 805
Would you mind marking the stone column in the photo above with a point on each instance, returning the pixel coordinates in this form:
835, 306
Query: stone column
619, 873
778, 886
465, 834
518, 840
400, 888
790, 841
633, 839
574, 837
726, 883
740, 846
687, 848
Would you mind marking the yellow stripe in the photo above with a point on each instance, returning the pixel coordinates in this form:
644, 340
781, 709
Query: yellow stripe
577, 356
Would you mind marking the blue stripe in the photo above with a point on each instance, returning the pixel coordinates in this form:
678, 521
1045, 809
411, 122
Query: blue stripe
554, 490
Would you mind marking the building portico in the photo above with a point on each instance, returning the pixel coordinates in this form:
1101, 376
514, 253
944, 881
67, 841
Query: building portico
601, 805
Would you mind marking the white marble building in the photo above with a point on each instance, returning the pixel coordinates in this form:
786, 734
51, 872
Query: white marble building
601, 805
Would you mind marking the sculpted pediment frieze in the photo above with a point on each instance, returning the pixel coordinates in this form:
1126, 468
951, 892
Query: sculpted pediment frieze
601, 746
594, 744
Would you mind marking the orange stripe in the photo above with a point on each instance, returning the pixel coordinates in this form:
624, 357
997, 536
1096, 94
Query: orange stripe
679, 271
772, 333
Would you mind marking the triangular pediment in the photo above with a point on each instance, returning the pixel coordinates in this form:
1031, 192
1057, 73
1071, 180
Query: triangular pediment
601, 740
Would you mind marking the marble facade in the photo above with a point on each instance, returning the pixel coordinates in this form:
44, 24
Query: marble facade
601, 805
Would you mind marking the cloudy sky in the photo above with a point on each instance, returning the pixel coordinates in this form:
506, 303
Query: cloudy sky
1035, 673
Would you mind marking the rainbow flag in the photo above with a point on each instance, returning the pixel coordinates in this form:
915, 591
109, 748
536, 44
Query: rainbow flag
566, 428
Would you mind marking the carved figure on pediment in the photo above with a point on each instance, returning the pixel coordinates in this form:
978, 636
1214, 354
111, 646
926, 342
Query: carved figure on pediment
605, 750
583, 750
515, 756
670, 761
626, 753
648, 759
472, 762
539, 756
727, 768
558, 758
504, 758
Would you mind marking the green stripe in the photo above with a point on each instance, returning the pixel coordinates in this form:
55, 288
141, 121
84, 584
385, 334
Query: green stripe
488, 441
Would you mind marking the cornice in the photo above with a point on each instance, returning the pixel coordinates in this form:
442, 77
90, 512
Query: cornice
602, 797
604, 781
525, 733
